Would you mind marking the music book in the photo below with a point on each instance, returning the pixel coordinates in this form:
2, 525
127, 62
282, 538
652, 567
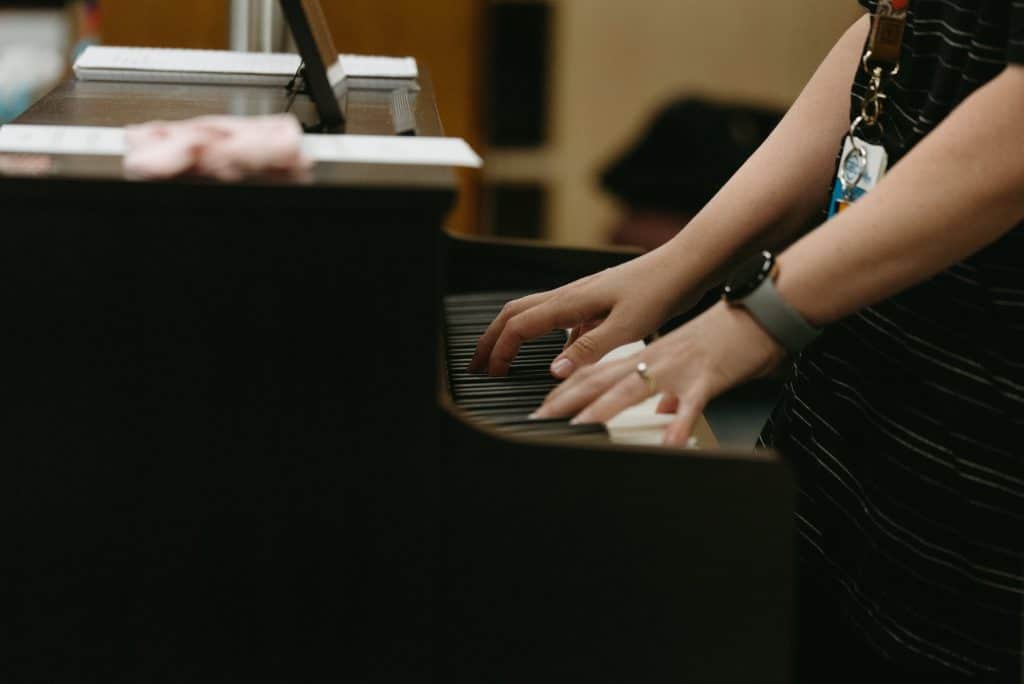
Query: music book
358, 149
227, 67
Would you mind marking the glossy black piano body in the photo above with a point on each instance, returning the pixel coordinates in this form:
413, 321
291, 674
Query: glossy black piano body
589, 562
227, 456
218, 444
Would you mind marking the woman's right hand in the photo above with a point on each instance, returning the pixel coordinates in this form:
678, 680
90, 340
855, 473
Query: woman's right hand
604, 310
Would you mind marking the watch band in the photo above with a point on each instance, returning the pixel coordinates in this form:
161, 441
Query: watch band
778, 318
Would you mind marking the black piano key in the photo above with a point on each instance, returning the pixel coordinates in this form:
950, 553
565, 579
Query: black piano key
515, 384
470, 389
536, 397
504, 402
563, 430
518, 424
527, 404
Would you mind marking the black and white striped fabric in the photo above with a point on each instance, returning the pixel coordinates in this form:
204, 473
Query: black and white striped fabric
905, 422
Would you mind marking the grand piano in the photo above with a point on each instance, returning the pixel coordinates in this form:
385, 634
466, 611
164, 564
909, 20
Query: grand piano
238, 443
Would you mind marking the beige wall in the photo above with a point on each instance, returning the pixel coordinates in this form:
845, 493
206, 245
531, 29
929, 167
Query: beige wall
616, 61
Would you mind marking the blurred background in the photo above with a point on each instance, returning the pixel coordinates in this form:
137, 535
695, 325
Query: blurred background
600, 120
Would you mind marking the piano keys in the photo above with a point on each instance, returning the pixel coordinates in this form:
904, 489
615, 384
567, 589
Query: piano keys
574, 557
505, 403
211, 468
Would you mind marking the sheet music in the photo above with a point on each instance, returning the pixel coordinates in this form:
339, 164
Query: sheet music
364, 149
391, 149
100, 140
224, 67
204, 61
369, 66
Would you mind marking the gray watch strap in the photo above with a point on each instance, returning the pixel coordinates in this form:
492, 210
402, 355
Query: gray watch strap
778, 318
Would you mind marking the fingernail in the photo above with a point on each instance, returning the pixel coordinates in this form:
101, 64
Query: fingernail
692, 443
534, 416
579, 420
561, 368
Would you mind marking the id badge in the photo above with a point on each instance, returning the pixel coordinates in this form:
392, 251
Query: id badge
860, 168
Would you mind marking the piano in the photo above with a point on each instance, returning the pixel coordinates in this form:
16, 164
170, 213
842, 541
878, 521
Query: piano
234, 450
585, 553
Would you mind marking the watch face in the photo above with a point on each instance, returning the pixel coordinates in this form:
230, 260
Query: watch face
748, 276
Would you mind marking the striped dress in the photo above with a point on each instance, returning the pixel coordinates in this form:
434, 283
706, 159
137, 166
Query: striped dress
905, 422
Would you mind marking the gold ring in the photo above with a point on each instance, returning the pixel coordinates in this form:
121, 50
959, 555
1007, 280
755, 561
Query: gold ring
641, 370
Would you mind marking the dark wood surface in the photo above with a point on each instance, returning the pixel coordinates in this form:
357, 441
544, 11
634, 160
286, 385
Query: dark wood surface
101, 103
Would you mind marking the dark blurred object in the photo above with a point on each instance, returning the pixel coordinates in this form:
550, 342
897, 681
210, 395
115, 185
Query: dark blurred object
518, 73
517, 210
35, 38
689, 151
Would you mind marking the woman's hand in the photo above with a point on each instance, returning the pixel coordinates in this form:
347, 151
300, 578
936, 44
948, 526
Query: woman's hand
718, 350
604, 310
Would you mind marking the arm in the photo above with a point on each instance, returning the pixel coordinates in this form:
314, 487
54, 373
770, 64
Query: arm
779, 191
960, 189
774, 195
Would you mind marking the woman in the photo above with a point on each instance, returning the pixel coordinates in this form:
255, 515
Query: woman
904, 418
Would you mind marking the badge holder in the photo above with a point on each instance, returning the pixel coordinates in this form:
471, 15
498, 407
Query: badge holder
862, 164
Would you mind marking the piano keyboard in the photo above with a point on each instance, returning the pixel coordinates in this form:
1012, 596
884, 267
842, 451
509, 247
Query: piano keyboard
505, 403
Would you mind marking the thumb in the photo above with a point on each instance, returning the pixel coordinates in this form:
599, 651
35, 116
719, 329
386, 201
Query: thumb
587, 349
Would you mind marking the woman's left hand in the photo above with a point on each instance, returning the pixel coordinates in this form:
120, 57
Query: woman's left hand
719, 349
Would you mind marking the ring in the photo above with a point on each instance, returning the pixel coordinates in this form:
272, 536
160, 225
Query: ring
641, 370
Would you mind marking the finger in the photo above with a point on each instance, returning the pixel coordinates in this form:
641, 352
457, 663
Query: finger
486, 343
581, 330
574, 394
680, 429
574, 335
669, 404
628, 391
527, 325
606, 374
588, 348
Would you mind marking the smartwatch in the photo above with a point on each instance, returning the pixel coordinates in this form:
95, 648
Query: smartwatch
752, 286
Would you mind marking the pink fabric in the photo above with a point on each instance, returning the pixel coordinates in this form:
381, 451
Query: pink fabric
224, 147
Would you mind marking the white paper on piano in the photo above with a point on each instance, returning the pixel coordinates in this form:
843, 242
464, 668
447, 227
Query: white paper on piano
373, 66
363, 149
391, 149
227, 67
100, 140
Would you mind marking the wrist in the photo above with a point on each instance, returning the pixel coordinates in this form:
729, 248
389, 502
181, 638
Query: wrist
689, 269
751, 287
787, 283
766, 352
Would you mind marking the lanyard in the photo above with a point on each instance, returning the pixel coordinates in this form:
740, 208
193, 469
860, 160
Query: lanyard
887, 31
882, 58
881, 61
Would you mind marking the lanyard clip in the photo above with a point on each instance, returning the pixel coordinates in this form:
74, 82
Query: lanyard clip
886, 39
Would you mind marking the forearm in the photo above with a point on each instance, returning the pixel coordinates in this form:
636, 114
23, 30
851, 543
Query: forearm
960, 189
784, 183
